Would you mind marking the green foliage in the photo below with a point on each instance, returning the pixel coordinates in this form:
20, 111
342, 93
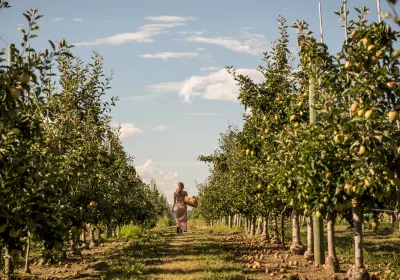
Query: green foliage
132, 231
166, 221
223, 229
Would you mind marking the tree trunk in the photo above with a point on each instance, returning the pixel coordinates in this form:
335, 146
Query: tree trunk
297, 247
83, 236
398, 206
7, 264
230, 221
253, 225
358, 271
309, 255
72, 241
283, 230
331, 262
93, 242
258, 226
265, 228
99, 234
109, 231
276, 239
28, 250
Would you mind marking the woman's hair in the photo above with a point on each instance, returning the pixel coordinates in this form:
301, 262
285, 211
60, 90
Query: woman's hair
179, 187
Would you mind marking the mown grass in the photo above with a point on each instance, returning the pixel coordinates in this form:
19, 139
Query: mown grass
201, 254
163, 255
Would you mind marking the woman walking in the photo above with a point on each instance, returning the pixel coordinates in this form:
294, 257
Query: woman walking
181, 209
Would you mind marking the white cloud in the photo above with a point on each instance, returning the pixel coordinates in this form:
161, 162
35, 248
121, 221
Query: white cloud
210, 68
168, 55
147, 171
165, 180
160, 128
143, 97
127, 129
58, 19
218, 85
201, 49
201, 114
170, 18
192, 32
245, 42
144, 34
77, 19
165, 87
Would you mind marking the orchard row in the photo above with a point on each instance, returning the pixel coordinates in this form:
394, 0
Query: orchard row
63, 169
321, 140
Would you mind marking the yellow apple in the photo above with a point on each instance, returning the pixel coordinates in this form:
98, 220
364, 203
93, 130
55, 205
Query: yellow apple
368, 114
392, 116
354, 106
362, 150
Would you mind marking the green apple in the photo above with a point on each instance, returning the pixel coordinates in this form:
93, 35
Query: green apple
24, 78
15, 93
339, 207
14, 233
3, 228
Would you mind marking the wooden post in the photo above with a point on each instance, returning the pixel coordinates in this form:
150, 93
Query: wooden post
378, 3
320, 23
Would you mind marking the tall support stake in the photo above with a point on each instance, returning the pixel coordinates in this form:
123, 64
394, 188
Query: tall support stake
109, 143
319, 250
378, 4
311, 97
320, 23
7, 261
10, 54
346, 36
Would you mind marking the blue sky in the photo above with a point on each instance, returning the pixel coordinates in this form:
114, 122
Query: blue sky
168, 59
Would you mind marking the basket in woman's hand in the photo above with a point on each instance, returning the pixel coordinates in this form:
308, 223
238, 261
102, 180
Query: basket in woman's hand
191, 201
